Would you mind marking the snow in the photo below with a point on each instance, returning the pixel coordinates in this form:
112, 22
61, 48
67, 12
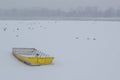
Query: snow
83, 50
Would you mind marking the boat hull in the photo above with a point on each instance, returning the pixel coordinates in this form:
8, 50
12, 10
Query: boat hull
34, 60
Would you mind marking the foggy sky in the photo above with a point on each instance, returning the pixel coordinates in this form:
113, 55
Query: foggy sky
55, 4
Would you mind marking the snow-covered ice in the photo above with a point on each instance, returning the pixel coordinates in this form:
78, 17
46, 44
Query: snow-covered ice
83, 50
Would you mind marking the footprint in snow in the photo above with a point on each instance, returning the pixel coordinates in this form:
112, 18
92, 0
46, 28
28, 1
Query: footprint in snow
5, 29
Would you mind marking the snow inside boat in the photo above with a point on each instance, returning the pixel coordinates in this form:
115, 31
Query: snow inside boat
32, 56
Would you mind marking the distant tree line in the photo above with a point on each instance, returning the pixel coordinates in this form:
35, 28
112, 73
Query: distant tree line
85, 12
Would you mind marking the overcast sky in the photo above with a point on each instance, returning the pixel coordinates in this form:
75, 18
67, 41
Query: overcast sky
62, 4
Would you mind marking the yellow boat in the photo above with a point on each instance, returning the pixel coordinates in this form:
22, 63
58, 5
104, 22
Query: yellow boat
32, 56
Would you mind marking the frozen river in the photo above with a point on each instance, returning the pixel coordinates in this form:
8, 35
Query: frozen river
83, 50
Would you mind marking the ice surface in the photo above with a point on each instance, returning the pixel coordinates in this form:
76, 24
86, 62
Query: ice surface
83, 50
